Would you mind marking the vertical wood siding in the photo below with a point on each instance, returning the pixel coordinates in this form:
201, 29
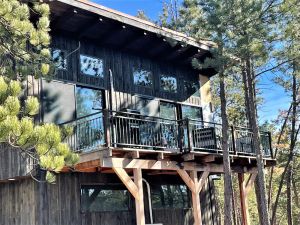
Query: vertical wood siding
122, 65
27, 202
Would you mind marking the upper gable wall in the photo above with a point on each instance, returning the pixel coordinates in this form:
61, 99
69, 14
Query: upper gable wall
122, 64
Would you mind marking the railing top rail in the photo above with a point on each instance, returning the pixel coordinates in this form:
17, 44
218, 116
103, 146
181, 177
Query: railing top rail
80, 118
121, 114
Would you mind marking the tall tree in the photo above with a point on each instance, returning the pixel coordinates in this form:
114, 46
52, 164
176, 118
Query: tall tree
24, 51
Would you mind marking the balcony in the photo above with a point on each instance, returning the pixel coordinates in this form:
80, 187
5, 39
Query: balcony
132, 131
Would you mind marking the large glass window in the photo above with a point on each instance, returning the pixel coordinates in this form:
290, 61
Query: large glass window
191, 112
170, 196
91, 66
59, 58
103, 198
142, 77
168, 83
167, 110
192, 88
88, 101
90, 129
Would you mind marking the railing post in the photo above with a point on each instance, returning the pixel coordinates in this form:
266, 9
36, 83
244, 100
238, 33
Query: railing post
180, 135
106, 119
270, 143
233, 140
190, 138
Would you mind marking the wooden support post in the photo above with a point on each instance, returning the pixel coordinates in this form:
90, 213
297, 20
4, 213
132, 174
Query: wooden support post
245, 188
196, 200
136, 189
139, 203
195, 185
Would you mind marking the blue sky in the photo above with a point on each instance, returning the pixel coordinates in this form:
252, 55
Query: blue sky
274, 97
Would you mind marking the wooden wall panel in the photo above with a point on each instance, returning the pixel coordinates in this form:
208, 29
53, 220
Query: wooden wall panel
31, 203
12, 163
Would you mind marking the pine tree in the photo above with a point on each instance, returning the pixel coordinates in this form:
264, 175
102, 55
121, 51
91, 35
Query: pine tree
24, 51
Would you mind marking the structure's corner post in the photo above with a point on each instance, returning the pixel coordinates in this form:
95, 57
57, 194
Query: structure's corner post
243, 198
139, 202
107, 126
196, 200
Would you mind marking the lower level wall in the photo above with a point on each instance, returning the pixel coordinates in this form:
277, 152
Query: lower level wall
27, 202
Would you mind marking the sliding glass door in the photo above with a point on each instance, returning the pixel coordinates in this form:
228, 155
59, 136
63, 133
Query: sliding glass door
89, 127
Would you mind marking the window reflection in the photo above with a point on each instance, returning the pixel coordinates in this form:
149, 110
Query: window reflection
167, 110
191, 112
88, 101
108, 198
142, 78
170, 196
59, 59
192, 88
91, 66
90, 129
168, 83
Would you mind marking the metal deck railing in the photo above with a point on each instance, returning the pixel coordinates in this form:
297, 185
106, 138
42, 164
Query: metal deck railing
131, 130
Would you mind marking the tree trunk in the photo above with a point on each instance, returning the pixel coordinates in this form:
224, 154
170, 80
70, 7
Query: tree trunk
293, 136
247, 108
260, 182
226, 160
289, 195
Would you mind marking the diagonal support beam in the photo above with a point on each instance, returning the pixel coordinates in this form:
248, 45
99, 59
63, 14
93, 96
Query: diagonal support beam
187, 180
201, 181
195, 185
127, 181
136, 189
245, 187
250, 183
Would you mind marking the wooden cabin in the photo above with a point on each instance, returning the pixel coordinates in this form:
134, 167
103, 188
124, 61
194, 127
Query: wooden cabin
142, 119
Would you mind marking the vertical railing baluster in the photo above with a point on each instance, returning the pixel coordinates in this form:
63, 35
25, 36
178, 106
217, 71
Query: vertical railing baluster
233, 139
190, 138
107, 128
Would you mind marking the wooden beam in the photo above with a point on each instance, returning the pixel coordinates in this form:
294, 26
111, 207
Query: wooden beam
139, 202
250, 183
195, 185
126, 163
196, 201
127, 181
187, 180
243, 198
188, 157
202, 181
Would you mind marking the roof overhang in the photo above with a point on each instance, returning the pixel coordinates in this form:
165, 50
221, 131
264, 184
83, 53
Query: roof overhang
85, 20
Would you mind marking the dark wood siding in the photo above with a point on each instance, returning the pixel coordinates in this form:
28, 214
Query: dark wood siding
122, 65
12, 163
30, 203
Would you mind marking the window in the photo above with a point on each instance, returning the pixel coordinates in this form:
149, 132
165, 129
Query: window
103, 198
191, 88
91, 66
191, 112
142, 77
88, 101
167, 110
59, 59
90, 129
170, 196
168, 83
